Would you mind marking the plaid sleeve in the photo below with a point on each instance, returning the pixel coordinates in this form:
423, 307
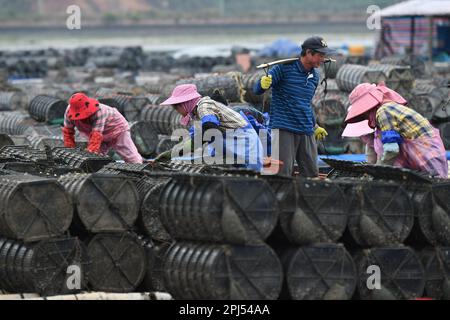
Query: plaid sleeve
67, 122
403, 120
207, 111
224, 117
99, 119
386, 120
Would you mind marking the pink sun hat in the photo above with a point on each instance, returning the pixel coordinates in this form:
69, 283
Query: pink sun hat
390, 94
363, 98
367, 96
182, 93
357, 129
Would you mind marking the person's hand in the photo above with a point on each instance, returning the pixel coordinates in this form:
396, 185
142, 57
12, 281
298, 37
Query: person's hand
266, 82
95, 141
320, 133
390, 151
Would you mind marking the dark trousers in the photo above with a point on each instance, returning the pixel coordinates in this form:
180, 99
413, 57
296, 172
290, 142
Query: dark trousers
301, 148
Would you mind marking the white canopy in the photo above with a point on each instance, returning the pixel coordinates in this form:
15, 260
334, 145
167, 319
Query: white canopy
417, 8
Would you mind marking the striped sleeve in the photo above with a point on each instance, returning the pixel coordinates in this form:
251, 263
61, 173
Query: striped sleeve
206, 109
210, 111
67, 122
277, 75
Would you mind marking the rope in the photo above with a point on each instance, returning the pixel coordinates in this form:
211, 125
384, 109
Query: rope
324, 80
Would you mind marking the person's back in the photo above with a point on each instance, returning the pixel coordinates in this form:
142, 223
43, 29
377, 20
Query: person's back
107, 120
226, 117
407, 122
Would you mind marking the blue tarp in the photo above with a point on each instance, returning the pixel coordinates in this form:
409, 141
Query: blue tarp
352, 157
347, 157
281, 48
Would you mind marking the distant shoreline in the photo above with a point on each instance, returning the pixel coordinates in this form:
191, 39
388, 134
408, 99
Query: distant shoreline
175, 36
319, 26
49, 22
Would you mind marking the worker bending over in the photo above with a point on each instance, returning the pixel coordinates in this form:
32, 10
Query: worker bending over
401, 136
103, 125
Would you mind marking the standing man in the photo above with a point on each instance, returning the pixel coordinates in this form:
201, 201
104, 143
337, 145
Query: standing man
103, 125
293, 87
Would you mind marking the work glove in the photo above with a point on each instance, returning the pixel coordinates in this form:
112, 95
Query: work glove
390, 151
266, 82
95, 141
69, 137
320, 133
